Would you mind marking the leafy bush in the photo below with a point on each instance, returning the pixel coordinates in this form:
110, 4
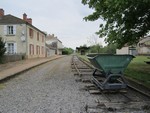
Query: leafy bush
67, 51
110, 49
2, 48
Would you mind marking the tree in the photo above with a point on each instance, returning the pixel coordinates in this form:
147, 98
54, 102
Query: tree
67, 51
82, 49
95, 45
95, 48
126, 20
2, 48
93, 40
110, 49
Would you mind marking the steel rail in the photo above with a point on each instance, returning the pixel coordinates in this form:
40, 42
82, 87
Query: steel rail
76, 68
95, 84
139, 91
129, 86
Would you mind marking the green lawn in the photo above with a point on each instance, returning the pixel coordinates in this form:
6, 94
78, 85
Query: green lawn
83, 57
137, 69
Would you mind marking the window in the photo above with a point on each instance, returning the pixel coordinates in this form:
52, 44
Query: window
38, 50
38, 36
10, 48
42, 38
10, 29
31, 32
42, 49
31, 47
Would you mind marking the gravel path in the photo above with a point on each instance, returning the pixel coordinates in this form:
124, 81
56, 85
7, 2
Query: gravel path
49, 88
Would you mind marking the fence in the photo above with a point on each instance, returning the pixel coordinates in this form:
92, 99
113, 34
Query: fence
12, 57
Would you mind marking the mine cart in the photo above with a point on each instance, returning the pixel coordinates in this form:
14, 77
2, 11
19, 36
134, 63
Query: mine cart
109, 69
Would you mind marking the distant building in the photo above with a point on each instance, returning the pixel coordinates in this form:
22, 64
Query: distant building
50, 51
54, 44
131, 50
82, 50
142, 48
21, 36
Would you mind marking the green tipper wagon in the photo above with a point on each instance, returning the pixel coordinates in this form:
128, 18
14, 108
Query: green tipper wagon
109, 70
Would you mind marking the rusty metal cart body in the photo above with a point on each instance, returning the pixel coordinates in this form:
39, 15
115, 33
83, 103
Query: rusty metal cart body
111, 68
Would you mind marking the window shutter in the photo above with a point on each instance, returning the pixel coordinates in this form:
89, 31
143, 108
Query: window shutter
33, 49
15, 47
30, 48
14, 29
5, 29
6, 46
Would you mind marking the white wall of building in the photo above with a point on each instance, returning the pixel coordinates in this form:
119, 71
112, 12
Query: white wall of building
124, 50
16, 39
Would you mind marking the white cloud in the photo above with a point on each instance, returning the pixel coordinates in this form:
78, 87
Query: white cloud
64, 18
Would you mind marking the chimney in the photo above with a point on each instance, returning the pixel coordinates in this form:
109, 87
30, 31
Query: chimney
1, 12
25, 17
29, 20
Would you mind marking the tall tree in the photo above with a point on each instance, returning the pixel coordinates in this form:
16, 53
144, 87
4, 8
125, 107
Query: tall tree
126, 20
110, 48
95, 45
95, 48
2, 48
67, 51
93, 40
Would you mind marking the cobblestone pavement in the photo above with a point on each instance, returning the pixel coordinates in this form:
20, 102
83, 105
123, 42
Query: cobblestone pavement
49, 88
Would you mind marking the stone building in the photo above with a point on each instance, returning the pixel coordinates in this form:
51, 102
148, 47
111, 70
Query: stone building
21, 37
54, 44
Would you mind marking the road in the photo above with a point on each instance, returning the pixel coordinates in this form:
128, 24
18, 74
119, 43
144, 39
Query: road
49, 88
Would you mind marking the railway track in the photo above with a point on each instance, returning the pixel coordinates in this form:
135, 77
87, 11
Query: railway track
130, 99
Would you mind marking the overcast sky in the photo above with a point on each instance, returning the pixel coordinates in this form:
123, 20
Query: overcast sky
64, 18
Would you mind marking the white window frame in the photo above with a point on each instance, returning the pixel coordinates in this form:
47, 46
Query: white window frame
11, 48
10, 29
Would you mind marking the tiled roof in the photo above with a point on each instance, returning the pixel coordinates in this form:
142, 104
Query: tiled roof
10, 19
51, 46
51, 37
